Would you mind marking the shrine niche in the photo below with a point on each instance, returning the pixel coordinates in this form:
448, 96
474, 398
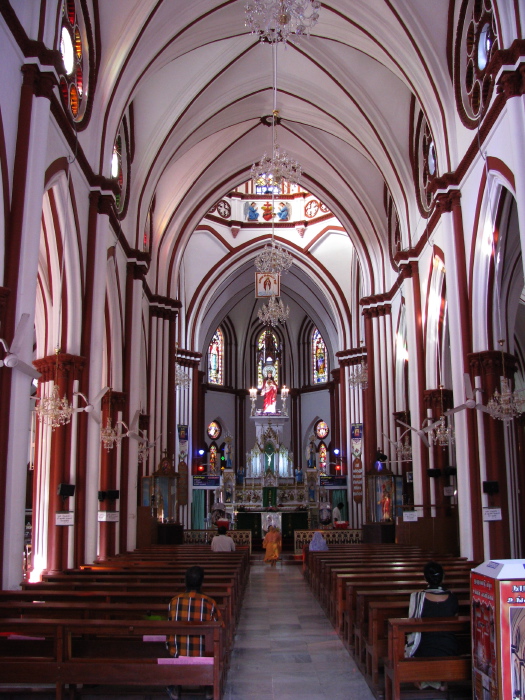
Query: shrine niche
160, 492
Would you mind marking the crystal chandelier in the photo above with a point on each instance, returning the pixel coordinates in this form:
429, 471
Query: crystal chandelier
273, 259
508, 404
404, 450
182, 380
359, 378
278, 168
276, 20
51, 409
441, 435
273, 313
111, 436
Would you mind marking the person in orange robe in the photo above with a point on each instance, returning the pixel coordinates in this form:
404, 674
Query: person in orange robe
272, 543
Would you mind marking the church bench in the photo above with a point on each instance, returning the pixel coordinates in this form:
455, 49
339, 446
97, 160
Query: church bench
100, 598
400, 670
109, 652
348, 584
394, 586
375, 636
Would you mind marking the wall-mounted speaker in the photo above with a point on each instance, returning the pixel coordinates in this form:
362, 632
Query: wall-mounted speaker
113, 495
450, 471
434, 473
491, 487
101, 496
66, 490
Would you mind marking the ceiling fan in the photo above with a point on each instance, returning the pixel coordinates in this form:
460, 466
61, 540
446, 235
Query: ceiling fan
470, 401
398, 446
421, 432
11, 358
91, 407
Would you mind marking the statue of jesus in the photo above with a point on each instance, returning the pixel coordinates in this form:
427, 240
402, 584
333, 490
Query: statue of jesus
269, 391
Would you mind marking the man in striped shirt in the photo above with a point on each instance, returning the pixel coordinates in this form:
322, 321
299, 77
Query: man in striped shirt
190, 606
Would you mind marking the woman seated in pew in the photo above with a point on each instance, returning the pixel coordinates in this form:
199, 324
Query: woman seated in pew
434, 601
318, 543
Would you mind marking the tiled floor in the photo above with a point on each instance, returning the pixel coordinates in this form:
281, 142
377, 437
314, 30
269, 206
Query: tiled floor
285, 648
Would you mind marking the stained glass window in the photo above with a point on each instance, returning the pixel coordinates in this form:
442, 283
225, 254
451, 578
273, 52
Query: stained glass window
214, 430
268, 354
319, 362
321, 429
74, 48
216, 358
322, 457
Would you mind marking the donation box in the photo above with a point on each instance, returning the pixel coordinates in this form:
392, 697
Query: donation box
498, 630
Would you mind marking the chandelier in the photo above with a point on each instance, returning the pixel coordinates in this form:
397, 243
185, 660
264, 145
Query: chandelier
273, 259
182, 380
276, 20
51, 409
508, 404
273, 313
440, 434
278, 168
111, 436
404, 450
359, 378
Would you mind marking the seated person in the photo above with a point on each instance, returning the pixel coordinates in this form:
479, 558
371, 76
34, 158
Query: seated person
190, 606
318, 543
434, 601
221, 542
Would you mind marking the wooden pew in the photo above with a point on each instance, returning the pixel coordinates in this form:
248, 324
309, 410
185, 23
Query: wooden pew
400, 670
376, 636
114, 652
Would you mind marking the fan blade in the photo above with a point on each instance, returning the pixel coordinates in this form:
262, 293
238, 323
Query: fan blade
27, 369
19, 334
469, 394
389, 440
96, 416
98, 398
419, 432
137, 437
481, 407
134, 422
456, 409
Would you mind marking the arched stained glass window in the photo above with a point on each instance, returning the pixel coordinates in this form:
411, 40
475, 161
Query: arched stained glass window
216, 358
268, 353
319, 361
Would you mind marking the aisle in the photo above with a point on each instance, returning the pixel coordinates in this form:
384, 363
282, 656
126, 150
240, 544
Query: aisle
285, 648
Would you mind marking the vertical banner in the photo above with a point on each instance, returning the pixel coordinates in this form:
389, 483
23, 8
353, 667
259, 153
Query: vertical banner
356, 435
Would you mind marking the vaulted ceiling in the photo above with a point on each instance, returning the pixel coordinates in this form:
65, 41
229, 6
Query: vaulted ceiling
199, 83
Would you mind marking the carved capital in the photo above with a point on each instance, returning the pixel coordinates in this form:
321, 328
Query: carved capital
63, 366
42, 83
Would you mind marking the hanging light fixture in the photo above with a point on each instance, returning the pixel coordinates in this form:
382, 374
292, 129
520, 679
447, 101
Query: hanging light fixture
404, 450
182, 381
274, 312
508, 404
441, 434
277, 20
272, 173
52, 410
359, 378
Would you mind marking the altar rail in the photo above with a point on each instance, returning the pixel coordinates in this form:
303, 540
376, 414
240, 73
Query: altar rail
304, 537
242, 538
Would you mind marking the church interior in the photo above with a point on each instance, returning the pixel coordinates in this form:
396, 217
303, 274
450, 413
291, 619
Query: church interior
260, 260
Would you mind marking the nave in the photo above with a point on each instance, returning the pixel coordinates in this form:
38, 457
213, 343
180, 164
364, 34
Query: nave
285, 647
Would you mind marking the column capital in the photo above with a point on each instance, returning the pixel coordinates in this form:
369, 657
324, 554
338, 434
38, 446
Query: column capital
446, 201
164, 307
492, 362
41, 82
511, 66
63, 363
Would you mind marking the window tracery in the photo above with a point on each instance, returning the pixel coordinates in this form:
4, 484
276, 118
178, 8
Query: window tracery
75, 48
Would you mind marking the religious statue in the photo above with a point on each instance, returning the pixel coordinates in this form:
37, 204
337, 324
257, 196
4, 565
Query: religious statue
228, 451
310, 454
252, 211
386, 505
283, 213
269, 391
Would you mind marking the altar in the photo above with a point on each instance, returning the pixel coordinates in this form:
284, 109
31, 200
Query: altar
259, 521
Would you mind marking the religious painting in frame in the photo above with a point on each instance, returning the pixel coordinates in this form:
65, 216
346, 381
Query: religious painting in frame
267, 284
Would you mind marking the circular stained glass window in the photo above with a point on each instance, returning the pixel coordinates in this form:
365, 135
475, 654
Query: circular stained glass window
214, 430
66, 49
321, 429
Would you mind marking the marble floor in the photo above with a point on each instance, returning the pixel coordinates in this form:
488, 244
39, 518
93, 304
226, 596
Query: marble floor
285, 648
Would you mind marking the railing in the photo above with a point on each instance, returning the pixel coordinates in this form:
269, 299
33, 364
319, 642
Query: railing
304, 537
242, 538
